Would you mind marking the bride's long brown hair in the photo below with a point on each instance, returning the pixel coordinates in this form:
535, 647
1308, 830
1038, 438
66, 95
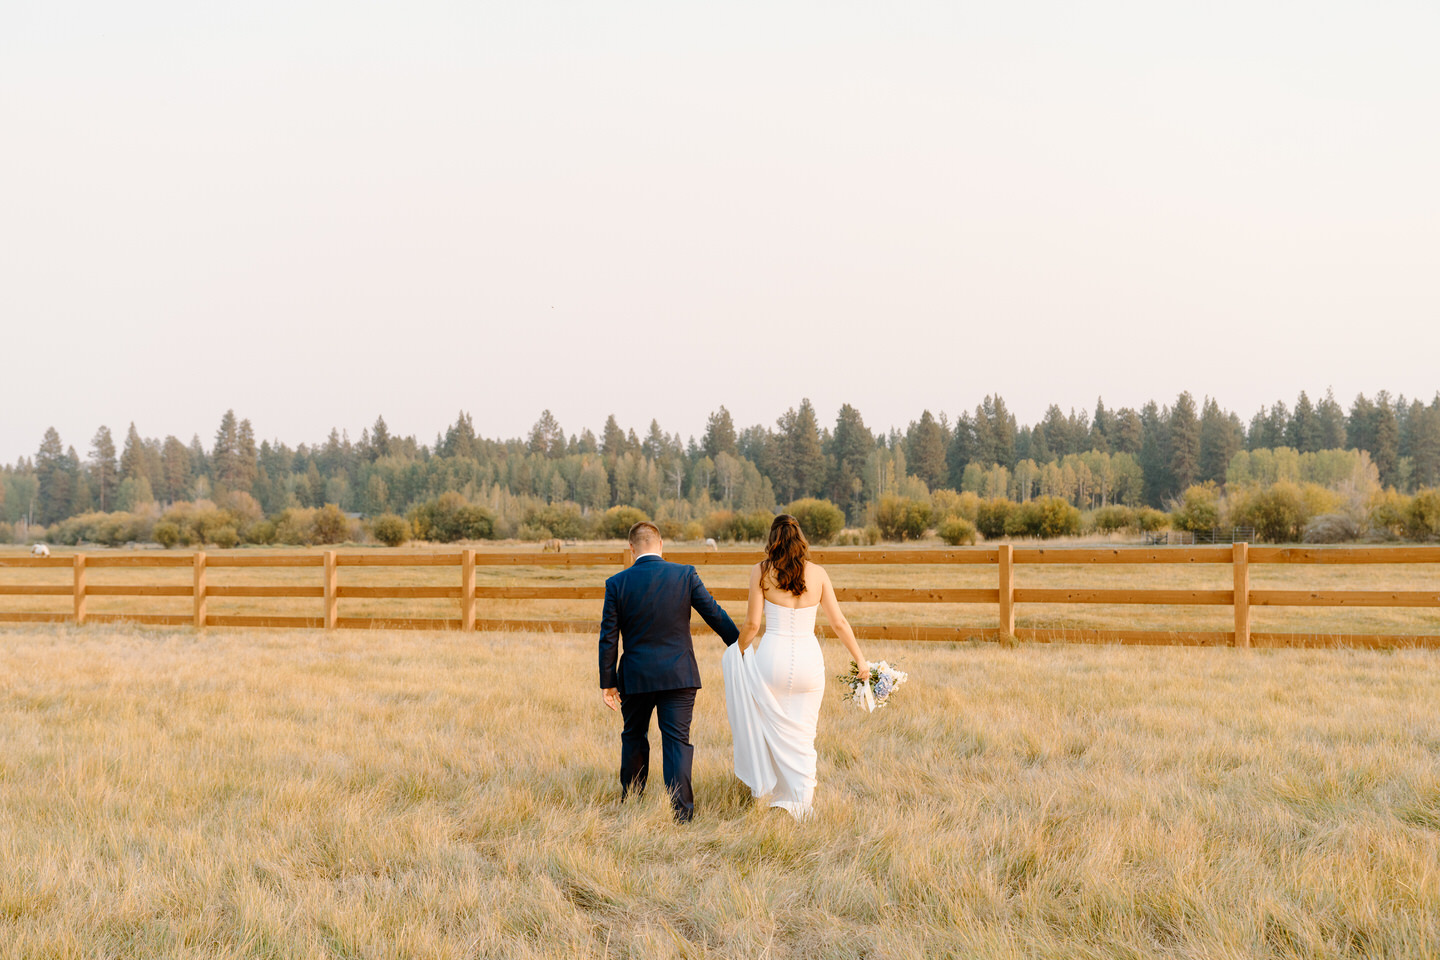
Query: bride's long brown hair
785, 555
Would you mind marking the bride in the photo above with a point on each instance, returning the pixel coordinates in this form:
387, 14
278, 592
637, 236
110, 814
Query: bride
774, 684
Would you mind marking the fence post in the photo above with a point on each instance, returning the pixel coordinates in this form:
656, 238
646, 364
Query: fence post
79, 589
1240, 558
467, 585
1007, 589
332, 583
199, 589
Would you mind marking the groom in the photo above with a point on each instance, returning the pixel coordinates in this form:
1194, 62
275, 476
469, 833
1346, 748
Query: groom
648, 604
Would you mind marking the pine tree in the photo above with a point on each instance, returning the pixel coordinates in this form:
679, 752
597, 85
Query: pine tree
1152, 456
176, 470
1183, 451
459, 440
51, 470
103, 468
1332, 423
1057, 432
1101, 427
851, 444
612, 439
654, 444
925, 444
1422, 429
1129, 432
796, 461
1360, 425
1277, 425
1303, 432
80, 501
719, 434
133, 463
226, 450
1386, 431
379, 439
547, 437
245, 467
1221, 437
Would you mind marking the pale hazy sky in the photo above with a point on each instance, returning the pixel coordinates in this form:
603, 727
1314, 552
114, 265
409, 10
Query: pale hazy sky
317, 212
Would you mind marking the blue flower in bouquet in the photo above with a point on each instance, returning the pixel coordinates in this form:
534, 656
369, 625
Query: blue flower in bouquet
883, 686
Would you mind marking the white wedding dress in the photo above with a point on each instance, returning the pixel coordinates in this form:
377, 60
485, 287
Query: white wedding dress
772, 695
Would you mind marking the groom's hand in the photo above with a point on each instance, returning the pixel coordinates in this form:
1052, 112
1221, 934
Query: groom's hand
611, 697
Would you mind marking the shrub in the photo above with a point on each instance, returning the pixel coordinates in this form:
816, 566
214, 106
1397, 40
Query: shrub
474, 522
692, 531
871, 535
729, 525
1149, 520
260, 532
109, 529
1023, 520
902, 518
948, 503
1389, 512
450, 517
1043, 517
957, 531
562, 520
754, 525
1277, 514
7, 532
198, 522
1318, 500
1197, 509
390, 529
331, 525
820, 519
990, 516
166, 533
226, 537
1331, 528
1422, 519
719, 525
1114, 518
296, 526
616, 522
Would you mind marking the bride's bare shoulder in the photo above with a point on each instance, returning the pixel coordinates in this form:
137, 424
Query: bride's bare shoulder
812, 567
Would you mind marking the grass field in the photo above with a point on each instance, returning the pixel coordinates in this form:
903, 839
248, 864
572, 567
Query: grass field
388, 794
1302, 620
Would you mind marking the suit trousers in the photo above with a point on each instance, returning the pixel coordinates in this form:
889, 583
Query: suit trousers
673, 709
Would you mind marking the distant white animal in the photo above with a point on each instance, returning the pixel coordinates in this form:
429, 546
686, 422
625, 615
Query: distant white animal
710, 544
551, 546
39, 550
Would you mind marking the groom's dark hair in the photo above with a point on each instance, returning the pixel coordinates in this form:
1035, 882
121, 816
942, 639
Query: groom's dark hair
644, 533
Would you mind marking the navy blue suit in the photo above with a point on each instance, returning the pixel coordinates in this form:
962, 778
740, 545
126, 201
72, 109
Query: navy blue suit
648, 605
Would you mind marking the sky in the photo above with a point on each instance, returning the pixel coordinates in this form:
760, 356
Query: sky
315, 213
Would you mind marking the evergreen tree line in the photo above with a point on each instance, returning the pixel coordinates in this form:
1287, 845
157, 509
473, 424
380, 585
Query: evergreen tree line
1138, 458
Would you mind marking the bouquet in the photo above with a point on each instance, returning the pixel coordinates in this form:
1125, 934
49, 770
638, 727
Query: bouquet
875, 692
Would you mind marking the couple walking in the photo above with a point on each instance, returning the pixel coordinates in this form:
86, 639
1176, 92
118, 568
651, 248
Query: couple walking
773, 682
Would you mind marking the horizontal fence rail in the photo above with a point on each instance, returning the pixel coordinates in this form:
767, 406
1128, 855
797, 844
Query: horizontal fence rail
1005, 595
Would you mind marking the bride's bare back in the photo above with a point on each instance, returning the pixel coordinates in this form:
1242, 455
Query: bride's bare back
816, 580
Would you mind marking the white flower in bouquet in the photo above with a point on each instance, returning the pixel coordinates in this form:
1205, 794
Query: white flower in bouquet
876, 691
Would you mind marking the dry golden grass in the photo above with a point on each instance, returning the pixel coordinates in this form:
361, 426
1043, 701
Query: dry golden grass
387, 794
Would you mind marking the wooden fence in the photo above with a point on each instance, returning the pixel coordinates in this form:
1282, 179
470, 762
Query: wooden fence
1005, 595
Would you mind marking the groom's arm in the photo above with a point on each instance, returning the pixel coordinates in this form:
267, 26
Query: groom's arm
609, 638
710, 611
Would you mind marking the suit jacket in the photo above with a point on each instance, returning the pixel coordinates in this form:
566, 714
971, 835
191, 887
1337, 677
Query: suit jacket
649, 605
